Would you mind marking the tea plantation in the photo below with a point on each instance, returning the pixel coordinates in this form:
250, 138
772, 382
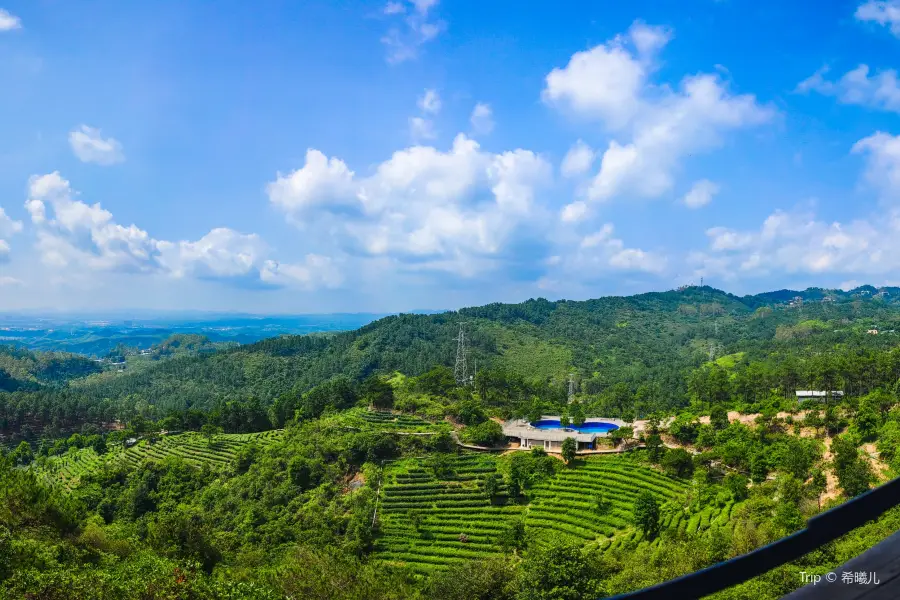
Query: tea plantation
219, 452
430, 522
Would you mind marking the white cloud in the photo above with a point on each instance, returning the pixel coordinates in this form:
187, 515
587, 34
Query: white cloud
433, 210
662, 126
700, 194
9, 281
603, 82
578, 160
8, 228
798, 242
880, 91
89, 146
430, 102
574, 212
421, 129
885, 13
883, 164
221, 253
601, 251
404, 40
314, 272
482, 119
321, 181
9, 22
75, 236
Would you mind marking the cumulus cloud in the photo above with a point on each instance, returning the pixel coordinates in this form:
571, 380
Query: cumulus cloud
882, 153
600, 251
74, 235
453, 210
415, 28
8, 228
482, 119
879, 90
90, 146
9, 22
320, 182
314, 272
421, 129
885, 13
700, 194
798, 242
578, 160
430, 102
654, 127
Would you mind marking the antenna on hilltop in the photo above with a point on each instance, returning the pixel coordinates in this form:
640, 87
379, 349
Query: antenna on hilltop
461, 370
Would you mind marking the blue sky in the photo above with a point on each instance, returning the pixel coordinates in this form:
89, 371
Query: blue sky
360, 156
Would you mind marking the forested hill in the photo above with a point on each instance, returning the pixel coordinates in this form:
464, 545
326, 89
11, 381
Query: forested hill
651, 339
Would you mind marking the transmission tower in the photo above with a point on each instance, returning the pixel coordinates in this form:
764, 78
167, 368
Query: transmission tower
461, 370
571, 388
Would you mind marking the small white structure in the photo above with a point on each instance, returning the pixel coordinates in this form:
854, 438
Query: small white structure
872, 332
817, 395
551, 439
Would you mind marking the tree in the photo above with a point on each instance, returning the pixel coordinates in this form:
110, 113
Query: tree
867, 422
853, 472
817, 486
209, 431
601, 503
684, 428
491, 486
489, 433
564, 421
469, 412
577, 413
759, 467
718, 417
737, 485
646, 514
888, 441
655, 448
378, 393
831, 421
569, 446
560, 571
678, 463
22, 455
513, 536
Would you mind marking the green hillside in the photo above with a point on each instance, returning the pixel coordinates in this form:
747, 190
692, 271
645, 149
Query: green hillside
330, 467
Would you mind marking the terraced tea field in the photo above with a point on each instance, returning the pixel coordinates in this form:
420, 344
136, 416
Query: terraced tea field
458, 520
68, 469
566, 506
562, 507
388, 421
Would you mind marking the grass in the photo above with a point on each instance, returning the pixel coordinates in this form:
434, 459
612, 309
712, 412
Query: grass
68, 469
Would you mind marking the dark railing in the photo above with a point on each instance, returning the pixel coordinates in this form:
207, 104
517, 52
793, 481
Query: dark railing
820, 530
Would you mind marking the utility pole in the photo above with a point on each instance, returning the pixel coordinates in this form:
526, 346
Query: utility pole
571, 388
461, 370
